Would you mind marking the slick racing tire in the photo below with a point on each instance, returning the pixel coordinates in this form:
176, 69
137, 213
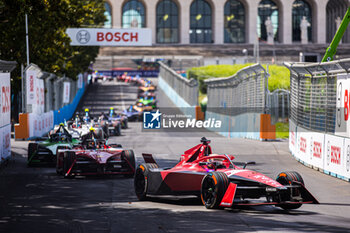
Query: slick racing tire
32, 149
129, 156
125, 124
214, 186
68, 160
117, 130
140, 180
59, 171
287, 178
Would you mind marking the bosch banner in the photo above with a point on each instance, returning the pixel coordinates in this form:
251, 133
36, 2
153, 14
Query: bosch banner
66, 92
110, 37
342, 124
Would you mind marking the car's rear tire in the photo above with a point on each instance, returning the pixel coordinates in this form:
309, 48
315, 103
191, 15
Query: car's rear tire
130, 157
214, 186
287, 178
68, 160
59, 171
141, 181
32, 149
117, 130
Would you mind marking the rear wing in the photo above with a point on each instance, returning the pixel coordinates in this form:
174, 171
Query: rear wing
148, 158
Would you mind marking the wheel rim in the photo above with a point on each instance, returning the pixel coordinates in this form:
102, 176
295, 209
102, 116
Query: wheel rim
140, 184
208, 191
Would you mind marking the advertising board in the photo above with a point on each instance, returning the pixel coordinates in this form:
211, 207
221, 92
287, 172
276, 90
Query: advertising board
110, 36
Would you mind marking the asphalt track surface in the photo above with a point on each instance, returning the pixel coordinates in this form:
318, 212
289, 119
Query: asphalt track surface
37, 200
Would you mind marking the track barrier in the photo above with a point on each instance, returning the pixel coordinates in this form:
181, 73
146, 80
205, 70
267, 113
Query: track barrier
5, 109
181, 91
319, 132
49, 100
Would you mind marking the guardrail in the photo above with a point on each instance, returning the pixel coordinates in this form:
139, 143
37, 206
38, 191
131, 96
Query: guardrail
319, 126
185, 88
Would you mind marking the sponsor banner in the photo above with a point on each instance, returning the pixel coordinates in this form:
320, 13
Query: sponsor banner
110, 36
133, 73
303, 145
80, 81
66, 92
292, 137
5, 141
35, 92
342, 124
317, 150
334, 154
30, 86
40, 124
346, 156
5, 99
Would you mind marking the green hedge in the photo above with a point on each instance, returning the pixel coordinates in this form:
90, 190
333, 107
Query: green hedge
279, 75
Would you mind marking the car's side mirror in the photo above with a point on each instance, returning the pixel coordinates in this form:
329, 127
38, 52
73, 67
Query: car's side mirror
248, 163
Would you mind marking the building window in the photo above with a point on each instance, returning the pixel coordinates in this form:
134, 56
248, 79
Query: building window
267, 8
300, 9
167, 22
200, 22
133, 14
234, 22
108, 15
336, 10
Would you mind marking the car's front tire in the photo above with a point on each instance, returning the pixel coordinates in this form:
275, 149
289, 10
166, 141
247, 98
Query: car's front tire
214, 186
32, 149
129, 156
68, 159
287, 178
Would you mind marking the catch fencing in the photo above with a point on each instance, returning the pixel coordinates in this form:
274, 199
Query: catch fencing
238, 101
278, 105
243, 92
319, 125
186, 90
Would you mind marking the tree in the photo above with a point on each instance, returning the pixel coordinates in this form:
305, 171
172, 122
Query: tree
48, 43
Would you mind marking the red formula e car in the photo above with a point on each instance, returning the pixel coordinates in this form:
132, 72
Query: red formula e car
219, 182
94, 157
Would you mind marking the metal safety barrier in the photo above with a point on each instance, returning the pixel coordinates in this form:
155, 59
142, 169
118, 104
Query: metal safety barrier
278, 105
185, 88
319, 128
314, 93
241, 93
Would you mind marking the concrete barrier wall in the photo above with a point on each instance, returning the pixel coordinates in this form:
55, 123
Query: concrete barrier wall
179, 102
33, 125
245, 125
326, 153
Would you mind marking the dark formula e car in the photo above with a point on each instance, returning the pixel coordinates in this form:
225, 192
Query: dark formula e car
219, 182
44, 151
95, 157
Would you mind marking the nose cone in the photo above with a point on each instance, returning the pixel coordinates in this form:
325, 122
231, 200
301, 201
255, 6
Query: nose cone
255, 176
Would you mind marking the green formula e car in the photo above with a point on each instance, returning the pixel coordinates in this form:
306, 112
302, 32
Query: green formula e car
44, 150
